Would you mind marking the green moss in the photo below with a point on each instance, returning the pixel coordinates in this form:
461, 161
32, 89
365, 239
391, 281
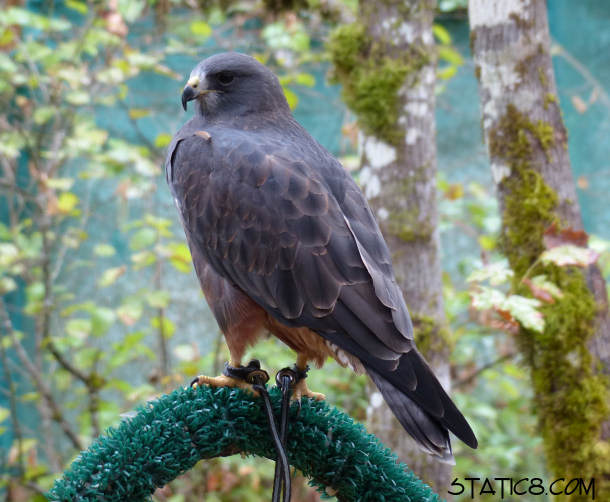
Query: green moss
406, 226
571, 397
473, 39
511, 140
522, 23
523, 66
548, 99
371, 79
542, 77
431, 337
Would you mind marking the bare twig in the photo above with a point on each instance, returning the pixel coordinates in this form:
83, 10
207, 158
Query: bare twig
470, 378
584, 72
12, 393
38, 379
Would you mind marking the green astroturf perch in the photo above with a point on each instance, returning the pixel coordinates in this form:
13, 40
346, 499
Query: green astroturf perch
169, 436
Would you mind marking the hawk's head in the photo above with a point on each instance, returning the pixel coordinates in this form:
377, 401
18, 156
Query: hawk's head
234, 84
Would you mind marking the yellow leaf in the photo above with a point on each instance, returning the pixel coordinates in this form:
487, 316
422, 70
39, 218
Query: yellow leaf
138, 113
111, 275
291, 97
201, 28
162, 140
66, 202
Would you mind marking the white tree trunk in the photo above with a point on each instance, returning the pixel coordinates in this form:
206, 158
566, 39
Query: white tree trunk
399, 180
527, 144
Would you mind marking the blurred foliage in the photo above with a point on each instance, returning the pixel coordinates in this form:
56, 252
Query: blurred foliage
69, 359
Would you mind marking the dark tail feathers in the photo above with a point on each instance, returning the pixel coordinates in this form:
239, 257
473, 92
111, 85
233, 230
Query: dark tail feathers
424, 410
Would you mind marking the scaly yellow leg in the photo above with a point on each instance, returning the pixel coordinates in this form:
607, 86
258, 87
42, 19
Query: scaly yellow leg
300, 388
225, 381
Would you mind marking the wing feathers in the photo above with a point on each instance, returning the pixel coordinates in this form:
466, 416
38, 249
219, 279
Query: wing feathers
297, 236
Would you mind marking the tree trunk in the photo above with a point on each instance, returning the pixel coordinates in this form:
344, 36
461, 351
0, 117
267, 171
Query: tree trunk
527, 144
386, 63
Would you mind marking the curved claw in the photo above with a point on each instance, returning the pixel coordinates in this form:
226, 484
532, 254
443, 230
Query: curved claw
223, 381
301, 390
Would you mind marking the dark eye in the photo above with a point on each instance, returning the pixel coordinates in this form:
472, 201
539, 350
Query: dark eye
225, 78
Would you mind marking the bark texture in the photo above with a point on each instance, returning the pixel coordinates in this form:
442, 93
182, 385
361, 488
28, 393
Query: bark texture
527, 143
389, 54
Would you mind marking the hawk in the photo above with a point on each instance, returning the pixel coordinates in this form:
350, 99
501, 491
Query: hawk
283, 241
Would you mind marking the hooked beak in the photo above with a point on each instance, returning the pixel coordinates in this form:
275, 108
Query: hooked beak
191, 91
188, 94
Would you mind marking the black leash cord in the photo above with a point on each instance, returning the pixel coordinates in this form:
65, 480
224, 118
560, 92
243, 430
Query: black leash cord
284, 379
279, 447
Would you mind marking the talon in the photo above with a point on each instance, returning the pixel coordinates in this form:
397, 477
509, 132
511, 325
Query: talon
223, 381
301, 390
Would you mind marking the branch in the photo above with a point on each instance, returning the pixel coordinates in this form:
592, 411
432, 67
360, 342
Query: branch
584, 71
11, 391
465, 381
39, 381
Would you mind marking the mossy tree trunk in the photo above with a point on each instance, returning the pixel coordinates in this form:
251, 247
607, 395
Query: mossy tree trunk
386, 63
527, 143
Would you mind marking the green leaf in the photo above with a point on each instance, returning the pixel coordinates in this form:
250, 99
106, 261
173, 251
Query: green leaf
143, 259
162, 140
7, 64
201, 29
79, 328
165, 324
497, 273
484, 298
66, 202
542, 282
142, 239
111, 76
8, 253
306, 79
525, 311
441, 34
180, 257
487, 242
447, 72
569, 254
104, 250
77, 98
86, 357
35, 291
7, 284
42, 114
158, 299
131, 9
60, 183
130, 311
101, 318
26, 18
138, 113
450, 55
291, 97
10, 144
161, 225
131, 340
80, 7
4, 414
111, 275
